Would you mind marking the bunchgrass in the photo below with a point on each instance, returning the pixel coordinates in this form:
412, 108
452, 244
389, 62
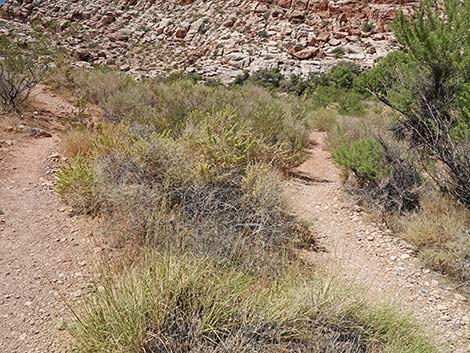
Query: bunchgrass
167, 303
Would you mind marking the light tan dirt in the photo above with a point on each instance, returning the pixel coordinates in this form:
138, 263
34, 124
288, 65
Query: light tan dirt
367, 254
43, 262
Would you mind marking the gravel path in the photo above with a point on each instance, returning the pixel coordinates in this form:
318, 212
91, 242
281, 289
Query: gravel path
43, 268
366, 253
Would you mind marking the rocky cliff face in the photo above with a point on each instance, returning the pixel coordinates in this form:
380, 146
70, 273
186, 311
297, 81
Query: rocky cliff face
216, 38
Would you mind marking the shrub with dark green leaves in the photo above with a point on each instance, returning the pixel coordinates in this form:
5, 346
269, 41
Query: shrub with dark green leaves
387, 79
324, 95
298, 85
342, 75
350, 103
267, 78
364, 157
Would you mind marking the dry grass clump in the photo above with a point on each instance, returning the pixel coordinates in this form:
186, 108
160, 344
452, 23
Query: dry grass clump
440, 231
77, 142
167, 303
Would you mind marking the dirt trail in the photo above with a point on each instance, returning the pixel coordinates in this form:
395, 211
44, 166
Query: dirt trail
366, 253
42, 249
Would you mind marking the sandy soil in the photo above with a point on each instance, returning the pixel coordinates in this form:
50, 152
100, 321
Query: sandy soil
43, 262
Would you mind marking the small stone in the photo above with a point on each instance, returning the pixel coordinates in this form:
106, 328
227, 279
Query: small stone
60, 325
28, 303
460, 297
441, 307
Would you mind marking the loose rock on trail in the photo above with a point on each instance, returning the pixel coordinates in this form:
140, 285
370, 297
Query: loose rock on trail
367, 254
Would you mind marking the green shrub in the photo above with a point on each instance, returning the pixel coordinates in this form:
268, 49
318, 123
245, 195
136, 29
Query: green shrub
298, 85
387, 78
364, 157
324, 95
342, 75
74, 183
350, 103
181, 76
435, 44
267, 78
22, 67
382, 173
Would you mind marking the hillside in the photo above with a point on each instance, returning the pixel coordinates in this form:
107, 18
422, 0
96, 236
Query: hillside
217, 39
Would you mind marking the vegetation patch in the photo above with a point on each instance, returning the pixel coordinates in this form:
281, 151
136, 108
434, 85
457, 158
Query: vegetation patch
185, 304
22, 67
440, 233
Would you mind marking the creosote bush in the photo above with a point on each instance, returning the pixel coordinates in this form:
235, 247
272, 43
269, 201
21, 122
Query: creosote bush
21, 68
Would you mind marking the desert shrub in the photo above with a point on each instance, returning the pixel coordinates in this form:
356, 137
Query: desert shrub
60, 75
440, 233
342, 75
267, 78
181, 76
203, 194
381, 172
177, 177
158, 107
118, 95
323, 119
364, 157
21, 68
298, 85
74, 183
187, 304
436, 43
324, 96
241, 79
387, 74
350, 103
